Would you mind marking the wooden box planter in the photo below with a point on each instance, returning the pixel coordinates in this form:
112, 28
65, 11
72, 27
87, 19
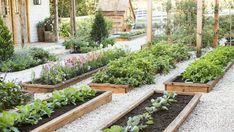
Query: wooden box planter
38, 88
176, 120
121, 39
111, 87
75, 113
173, 85
49, 36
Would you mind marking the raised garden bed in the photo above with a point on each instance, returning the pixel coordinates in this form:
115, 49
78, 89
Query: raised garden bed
121, 39
164, 120
177, 84
69, 113
39, 88
111, 87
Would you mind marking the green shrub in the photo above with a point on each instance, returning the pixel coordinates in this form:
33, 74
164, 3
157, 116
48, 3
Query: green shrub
11, 95
99, 29
24, 59
131, 34
6, 42
108, 41
64, 30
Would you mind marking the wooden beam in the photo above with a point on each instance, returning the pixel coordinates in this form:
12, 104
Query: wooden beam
0, 8
149, 21
216, 24
199, 26
56, 21
73, 17
28, 21
22, 21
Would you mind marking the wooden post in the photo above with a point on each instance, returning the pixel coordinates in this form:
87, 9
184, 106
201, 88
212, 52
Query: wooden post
73, 17
199, 26
216, 24
149, 21
0, 8
23, 22
56, 23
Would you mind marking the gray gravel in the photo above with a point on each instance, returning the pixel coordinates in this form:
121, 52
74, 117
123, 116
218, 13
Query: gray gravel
215, 112
93, 120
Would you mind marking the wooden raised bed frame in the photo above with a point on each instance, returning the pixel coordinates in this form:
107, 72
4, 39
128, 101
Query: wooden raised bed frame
121, 39
118, 89
75, 113
170, 85
174, 125
38, 88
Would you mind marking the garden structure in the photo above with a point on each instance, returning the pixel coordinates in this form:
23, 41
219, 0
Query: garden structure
121, 12
154, 85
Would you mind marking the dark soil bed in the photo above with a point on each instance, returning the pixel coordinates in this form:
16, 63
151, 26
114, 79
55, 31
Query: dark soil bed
57, 112
161, 118
179, 79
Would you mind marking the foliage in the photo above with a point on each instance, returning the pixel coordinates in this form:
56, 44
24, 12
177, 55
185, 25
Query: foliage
108, 41
139, 68
7, 120
99, 28
132, 34
83, 7
49, 24
139, 122
210, 66
24, 59
11, 95
32, 113
56, 73
6, 42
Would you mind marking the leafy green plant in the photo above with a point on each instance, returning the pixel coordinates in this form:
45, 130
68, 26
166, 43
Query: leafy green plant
11, 95
7, 120
139, 122
32, 113
108, 41
210, 66
131, 34
139, 68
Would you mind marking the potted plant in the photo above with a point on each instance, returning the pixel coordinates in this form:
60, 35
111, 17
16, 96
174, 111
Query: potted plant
49, 28
40, 31
129, 24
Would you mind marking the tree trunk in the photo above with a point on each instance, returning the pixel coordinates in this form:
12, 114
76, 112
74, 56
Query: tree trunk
216, 24
199, 26
149, 21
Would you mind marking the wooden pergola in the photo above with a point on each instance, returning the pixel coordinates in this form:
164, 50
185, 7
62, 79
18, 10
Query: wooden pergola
72, 18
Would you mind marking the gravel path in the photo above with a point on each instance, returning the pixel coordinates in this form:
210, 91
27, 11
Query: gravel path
90, 122
215, 112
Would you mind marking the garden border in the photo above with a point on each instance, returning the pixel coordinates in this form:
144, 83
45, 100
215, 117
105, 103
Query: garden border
111, 87
194, 87
174, 125
38, 88
75, 113
122, 39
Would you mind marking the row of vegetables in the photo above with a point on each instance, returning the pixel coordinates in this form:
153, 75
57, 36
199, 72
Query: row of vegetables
32, 113
134, 69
